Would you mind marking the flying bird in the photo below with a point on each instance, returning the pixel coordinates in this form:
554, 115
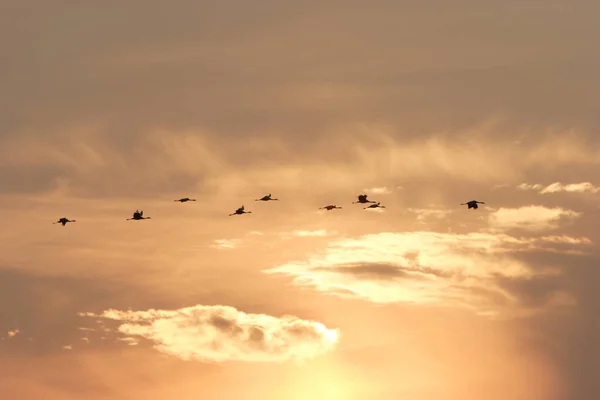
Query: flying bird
376, 205
184, 199
362, 198
138, 215
64, 221
240, 211
472, 204
265, 198
330, 207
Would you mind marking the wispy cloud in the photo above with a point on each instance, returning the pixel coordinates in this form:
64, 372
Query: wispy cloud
378, 190
426, 268
222, 333
225, 243
130, 341
501, 186
307, 233
424, 213
557, 187
533, 218
13, 333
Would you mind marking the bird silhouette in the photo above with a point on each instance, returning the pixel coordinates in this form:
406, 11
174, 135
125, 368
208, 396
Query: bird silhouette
376, 205
265, 198
240, 211
138, 215
330, 207
64, 221
472, 204
362, 199
184, 199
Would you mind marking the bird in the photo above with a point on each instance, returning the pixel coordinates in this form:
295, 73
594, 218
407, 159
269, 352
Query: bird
472, 204
184, 199
64, 221
376, 205
138, 215
330, 207
240, 211
362, 198
265, 198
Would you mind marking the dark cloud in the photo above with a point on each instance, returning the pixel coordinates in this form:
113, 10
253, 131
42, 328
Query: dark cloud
382, 271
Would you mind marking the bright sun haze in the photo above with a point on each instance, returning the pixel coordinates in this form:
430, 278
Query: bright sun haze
156, 129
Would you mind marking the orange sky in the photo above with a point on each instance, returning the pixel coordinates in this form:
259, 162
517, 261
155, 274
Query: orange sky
421, 105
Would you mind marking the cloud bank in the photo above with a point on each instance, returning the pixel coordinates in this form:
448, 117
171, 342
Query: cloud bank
427, 268
222, 333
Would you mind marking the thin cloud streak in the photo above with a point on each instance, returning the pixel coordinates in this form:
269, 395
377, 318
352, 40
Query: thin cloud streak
222, 333
558, 187
378, 190
225, 243
307, 233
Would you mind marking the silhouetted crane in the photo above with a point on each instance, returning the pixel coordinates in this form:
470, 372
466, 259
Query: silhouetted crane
330, 207
362, 199
376, 205
184, 199
64, 221
265, 198
472, 204
240, 211
138, 215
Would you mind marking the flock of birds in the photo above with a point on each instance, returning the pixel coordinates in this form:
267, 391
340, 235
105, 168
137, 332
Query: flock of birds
362, 199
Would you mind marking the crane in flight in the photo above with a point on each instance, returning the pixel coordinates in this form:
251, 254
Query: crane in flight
240, 211
184, 199
138, 215
472, 204
362, 199
64, 221
376, 205
330, 207
266, 198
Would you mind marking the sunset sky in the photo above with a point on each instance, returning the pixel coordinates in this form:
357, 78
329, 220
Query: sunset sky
108, 107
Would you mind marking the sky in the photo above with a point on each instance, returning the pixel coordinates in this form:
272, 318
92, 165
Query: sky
421, 105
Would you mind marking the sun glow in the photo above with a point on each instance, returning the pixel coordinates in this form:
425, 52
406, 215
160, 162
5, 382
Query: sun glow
329, 380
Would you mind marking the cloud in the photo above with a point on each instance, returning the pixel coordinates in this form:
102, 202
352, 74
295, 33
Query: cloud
423, 213
427, 268
222, 333
532, 218
527, 186
557, 187
225, 243
501, 186
130, 341
378, 190
315, 233
13, 333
